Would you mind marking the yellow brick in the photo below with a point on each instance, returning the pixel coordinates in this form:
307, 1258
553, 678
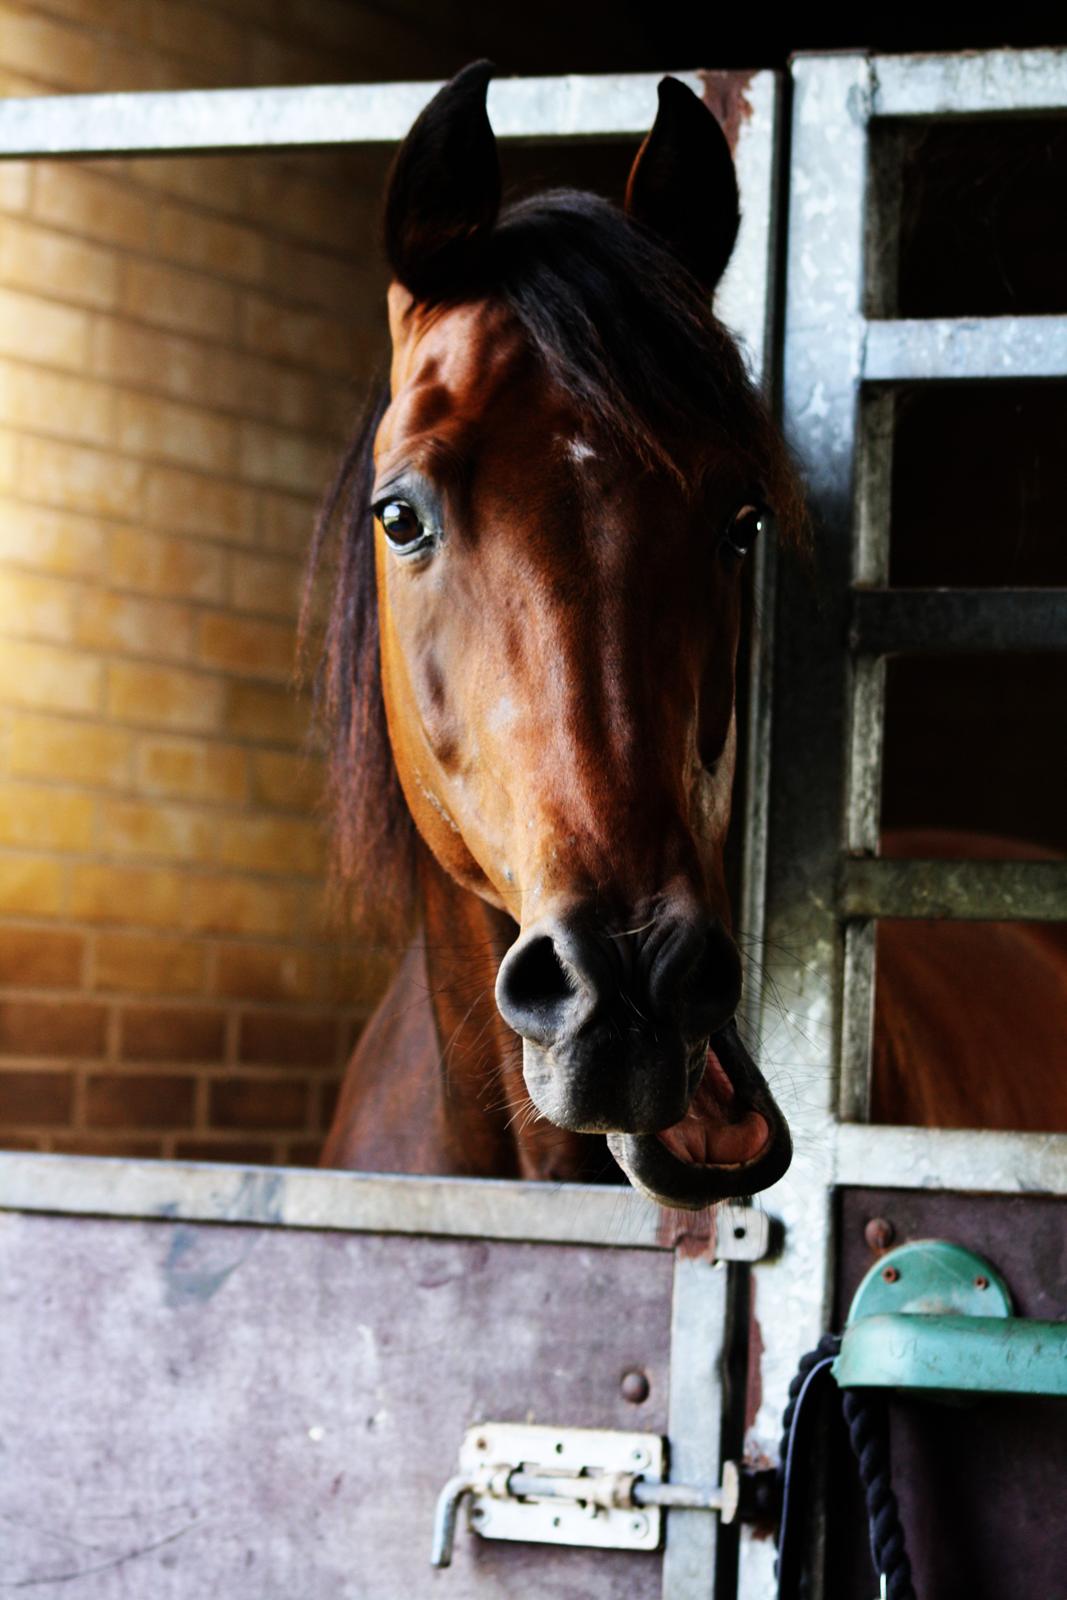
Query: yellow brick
55, 264
132, 828
211, 245
286, 197
35, 608
186, 502
161, 564
258, 972
176, 299
9, 463
147, 965
53, 402
164, 697
244, 644
137, 895
322, 280
287, 522
66, 57
283, 459
189, 769
40, 330
84, 752
306, 337
271, 844
272, 715
74, 476
161, 428
128, 353
53, 680
53, 818
107, 621
55, 541
221, 183
287, 782
241, 905
14, 185
266, 583
91, 204
31, 885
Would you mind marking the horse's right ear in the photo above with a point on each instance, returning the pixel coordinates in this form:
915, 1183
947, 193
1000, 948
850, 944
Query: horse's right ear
444, 190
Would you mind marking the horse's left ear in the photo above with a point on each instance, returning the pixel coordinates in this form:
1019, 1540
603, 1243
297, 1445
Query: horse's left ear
682, 184
444, 190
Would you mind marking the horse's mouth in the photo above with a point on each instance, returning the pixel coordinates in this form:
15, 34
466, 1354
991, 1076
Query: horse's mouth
732, 1141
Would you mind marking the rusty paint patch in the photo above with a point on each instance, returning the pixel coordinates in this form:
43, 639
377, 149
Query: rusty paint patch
726, 97
754, 1376
692, 1234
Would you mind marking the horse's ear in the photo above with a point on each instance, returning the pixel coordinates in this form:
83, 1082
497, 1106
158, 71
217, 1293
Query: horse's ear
682, 184
444, 190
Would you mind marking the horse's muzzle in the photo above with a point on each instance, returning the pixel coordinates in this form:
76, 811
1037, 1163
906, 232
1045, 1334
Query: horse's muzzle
632, 1037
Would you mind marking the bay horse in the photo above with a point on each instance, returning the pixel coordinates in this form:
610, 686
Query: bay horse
528, 678
529, 671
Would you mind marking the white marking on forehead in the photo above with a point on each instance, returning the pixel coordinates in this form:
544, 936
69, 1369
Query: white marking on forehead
503, 714
578, 450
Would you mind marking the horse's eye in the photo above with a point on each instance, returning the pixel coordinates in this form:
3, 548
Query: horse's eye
742, 532
401, 523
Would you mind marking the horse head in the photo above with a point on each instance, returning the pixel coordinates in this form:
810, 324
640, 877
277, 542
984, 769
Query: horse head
569, 470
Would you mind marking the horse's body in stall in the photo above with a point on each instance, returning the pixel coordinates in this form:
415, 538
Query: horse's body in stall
529, 673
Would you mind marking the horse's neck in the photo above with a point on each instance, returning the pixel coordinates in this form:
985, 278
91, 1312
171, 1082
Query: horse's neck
489, 1121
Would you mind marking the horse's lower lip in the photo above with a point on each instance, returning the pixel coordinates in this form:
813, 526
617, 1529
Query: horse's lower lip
733, 1140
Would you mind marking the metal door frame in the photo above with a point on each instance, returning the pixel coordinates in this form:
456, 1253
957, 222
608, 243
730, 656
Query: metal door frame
843, 349
705, 1291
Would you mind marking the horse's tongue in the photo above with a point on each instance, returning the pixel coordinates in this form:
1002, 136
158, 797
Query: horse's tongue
708, 1135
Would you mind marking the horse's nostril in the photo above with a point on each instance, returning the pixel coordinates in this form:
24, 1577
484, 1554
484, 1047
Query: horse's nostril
534, 990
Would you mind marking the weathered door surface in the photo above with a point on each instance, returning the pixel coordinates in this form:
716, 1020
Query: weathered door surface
250, 1409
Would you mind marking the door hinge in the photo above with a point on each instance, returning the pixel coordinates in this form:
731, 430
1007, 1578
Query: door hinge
577, 1486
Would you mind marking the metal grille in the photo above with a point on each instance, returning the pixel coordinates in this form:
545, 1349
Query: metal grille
825, 885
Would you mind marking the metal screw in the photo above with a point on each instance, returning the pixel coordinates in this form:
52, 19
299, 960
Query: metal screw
481, 1444
890, 1274
639, 1458
477, 1514
879, 1234
981, 1283
635, 1386
639, 1525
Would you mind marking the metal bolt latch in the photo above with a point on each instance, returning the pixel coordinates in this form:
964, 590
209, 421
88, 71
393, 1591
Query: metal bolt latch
547, 1493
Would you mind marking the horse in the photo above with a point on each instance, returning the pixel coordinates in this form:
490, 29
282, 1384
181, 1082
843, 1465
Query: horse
528, 685
528, 671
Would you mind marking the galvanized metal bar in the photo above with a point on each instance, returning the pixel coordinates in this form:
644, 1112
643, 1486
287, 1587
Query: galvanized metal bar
964, 349
982, 83
941, 621
822, 368
857, 1021
576, 106
971, 1160
698, 1342
975, 891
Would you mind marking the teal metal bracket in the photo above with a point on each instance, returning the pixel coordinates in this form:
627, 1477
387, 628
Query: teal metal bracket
934, 1316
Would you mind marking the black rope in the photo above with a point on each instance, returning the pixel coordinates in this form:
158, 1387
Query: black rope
868, 1426
868, 1429
805, 1385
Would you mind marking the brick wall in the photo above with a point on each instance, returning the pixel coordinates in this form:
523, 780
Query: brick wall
182, 346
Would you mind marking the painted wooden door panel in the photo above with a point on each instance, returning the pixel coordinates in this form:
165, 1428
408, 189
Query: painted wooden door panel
250, 1413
